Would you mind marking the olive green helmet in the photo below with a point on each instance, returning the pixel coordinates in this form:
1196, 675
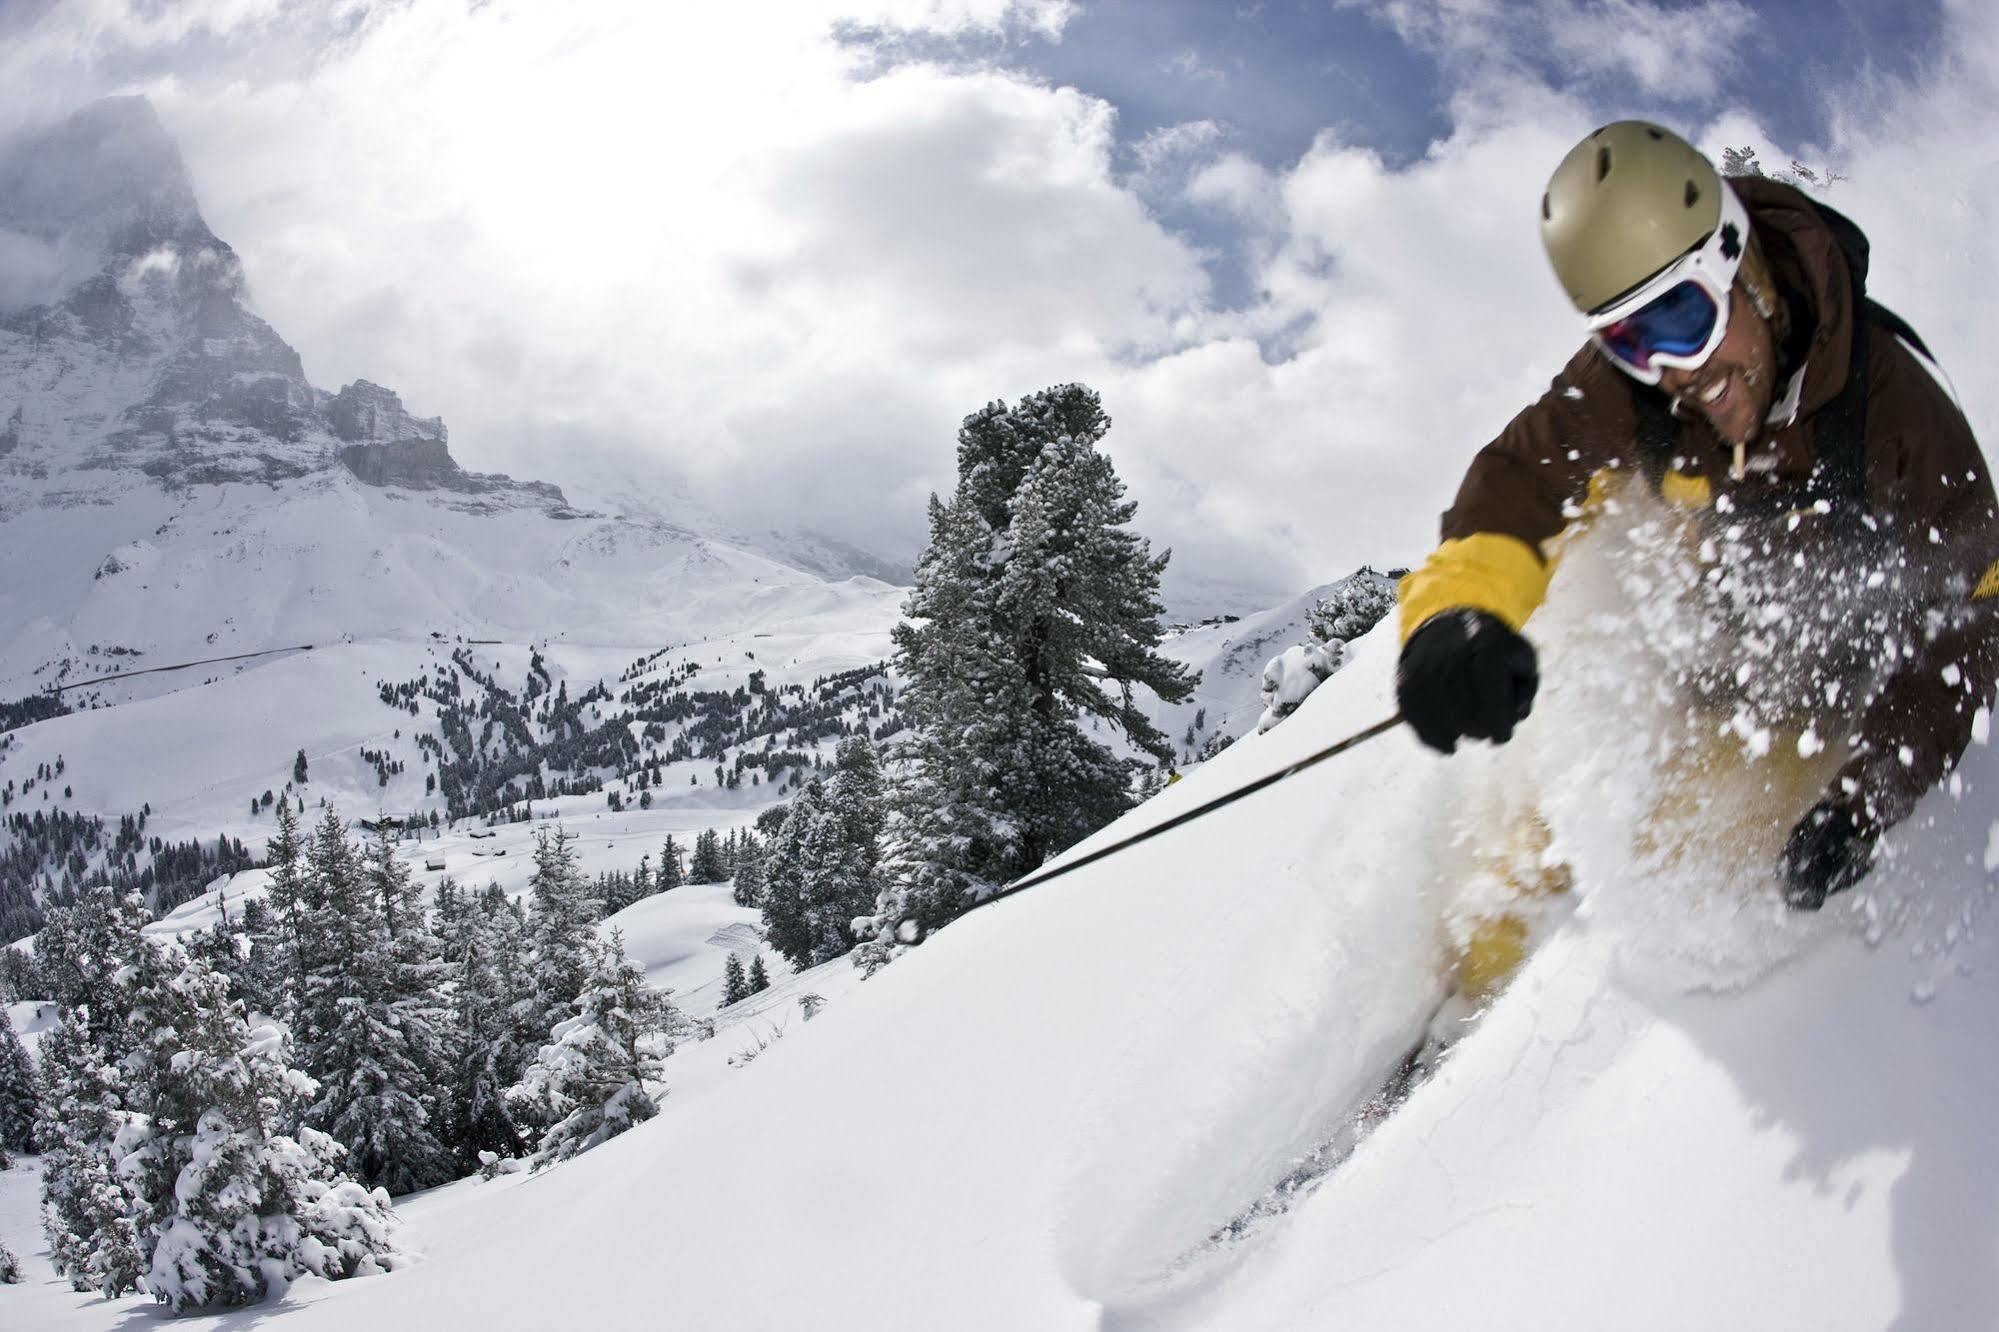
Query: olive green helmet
1625, 203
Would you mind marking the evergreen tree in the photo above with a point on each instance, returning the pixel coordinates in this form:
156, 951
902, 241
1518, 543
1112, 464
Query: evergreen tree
225, 1204
707, 865
835, 882
1035, 610
561, 928
374, 1072
613, 892
489, 985
20, 1093
590, 1078
787, 925
735, 986
259, 977
759, 975
749, 882
10, 1266
298, 773
672, 874
822, 869
417, 973
77, 957
86, 1207
18, 978
845, 855
293, 899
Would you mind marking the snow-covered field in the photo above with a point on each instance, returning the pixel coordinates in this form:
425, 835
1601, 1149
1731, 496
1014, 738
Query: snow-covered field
1689, 1111
197, 751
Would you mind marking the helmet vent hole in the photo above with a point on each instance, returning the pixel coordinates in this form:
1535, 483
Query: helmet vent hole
1546, 211
1693, 194
1602, 163
1654, 132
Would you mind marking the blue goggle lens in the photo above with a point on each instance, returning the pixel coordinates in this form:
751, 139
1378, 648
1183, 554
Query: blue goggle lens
1678, 323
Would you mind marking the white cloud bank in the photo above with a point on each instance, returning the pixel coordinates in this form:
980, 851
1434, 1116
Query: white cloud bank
689, 243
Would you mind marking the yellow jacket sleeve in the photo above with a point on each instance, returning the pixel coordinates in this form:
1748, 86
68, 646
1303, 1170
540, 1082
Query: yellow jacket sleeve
1501, 575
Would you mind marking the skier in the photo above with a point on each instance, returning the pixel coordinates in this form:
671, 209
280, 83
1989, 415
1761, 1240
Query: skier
1736, 366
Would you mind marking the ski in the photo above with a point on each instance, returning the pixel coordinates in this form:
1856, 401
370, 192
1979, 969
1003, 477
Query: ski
1449, 1022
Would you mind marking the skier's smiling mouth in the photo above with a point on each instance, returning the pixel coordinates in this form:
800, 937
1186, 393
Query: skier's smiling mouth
1721, 395
1714, 395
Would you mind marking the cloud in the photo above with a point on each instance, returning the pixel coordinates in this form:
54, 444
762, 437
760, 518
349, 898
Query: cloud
715, 255
1043, 19
1189, 65
1172, 146
1681, 54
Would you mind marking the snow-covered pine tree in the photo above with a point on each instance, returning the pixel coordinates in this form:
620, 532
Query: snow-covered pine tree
372, 1075
787, 874
590, 1078
78, 954
86, 1208
748, 890
759, 975
20, 1092
1035, 609
672, 874
734, 984
259, 976
614, 892
10, 1267
448, 913
227, 1207
561, 928
294, 898
1353, 605
707, 865
843, 852
416, 979
18, 978
489, 983
836, 884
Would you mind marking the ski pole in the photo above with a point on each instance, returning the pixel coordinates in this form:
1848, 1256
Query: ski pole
1354, 741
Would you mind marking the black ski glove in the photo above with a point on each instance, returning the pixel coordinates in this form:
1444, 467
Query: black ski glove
1464, 674
1828, 852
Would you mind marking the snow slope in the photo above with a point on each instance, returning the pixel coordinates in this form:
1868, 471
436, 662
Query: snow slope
1691, 1110
1231, 656
198, 745
1038, 1118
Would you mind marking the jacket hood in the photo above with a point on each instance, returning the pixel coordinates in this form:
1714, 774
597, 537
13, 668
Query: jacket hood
1805, 257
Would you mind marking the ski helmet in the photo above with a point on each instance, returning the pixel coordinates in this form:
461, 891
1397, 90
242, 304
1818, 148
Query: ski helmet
1626, 203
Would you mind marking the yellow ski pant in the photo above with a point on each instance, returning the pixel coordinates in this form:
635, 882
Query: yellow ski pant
1715, 798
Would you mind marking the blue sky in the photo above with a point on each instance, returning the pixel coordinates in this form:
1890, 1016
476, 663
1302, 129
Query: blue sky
1277, 72
1274, 74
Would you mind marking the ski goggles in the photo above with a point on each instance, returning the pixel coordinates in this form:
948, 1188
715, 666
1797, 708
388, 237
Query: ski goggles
1677, 317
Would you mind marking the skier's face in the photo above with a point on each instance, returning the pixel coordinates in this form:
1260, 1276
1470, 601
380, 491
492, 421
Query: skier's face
1733, 388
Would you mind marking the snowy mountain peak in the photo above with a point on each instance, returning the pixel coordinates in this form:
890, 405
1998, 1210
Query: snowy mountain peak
176, 484
103, 185
127, 346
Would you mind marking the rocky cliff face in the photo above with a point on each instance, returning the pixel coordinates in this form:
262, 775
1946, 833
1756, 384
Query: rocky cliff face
127, 346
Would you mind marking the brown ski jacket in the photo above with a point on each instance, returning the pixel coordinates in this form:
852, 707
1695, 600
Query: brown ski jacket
1862, 488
